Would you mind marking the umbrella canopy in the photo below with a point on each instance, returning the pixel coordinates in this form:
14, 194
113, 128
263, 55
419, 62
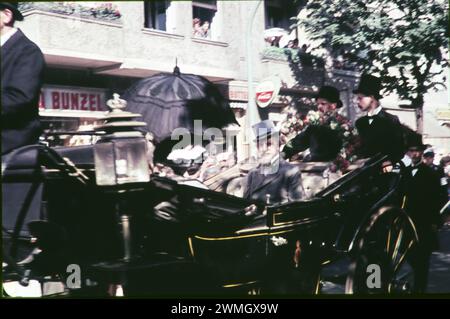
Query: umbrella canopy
168, 101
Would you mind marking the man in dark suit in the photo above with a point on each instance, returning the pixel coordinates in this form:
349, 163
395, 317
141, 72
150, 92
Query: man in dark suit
428, 159
422, 205
323, 142
380, 132
22, 65
274, 180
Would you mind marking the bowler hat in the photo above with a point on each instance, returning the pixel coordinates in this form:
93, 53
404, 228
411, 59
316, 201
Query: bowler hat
369, 85
264, 129
331, 94
13, 6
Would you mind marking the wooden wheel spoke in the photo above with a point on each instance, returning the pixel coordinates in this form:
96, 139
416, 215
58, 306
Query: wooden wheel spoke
388, 241
397, 246
402, 256
392, 237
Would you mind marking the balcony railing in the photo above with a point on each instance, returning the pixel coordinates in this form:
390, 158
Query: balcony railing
105, 11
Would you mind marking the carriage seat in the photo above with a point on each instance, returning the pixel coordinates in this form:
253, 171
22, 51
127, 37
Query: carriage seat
316, 176
21, 159
81, 156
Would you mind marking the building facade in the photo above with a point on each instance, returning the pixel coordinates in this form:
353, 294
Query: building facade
93, 49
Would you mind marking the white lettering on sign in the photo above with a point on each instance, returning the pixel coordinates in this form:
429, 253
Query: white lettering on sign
61, 98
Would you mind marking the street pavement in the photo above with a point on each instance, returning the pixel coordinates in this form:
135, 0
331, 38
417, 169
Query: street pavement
439, 276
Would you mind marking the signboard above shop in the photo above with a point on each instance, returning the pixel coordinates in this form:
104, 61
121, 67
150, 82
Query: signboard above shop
72, 98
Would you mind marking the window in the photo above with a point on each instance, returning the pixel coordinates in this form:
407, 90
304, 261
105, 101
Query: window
279, 12
155, 14
203, 15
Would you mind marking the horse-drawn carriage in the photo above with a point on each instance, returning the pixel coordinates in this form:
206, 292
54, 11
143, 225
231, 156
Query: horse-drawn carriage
164, 237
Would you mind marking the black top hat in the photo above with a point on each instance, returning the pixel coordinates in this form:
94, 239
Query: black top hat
264, 129
331, 94
414, 141
13, 6
369, 85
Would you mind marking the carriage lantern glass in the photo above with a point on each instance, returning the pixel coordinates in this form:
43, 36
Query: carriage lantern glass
120, 154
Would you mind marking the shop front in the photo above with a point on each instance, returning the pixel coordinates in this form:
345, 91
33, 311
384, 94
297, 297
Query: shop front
65, 109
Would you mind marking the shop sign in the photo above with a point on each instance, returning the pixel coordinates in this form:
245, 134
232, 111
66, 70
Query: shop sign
72, 98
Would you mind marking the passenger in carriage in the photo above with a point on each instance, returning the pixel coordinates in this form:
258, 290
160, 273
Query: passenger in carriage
274, 180
190, 162
379, 131
324, 142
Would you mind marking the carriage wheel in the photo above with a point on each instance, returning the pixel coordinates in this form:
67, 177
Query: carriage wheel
382, 262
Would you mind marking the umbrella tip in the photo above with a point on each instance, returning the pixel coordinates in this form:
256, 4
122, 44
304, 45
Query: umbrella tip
176, 70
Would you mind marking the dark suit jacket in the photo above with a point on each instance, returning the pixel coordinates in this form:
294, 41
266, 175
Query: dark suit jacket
384, 135
283, 186
22, 65
324, 143
422, 199
443, 183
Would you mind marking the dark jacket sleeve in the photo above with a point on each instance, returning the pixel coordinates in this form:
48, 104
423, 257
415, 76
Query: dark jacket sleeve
298, 144
24, 85
247, 184
360, 147
296, 191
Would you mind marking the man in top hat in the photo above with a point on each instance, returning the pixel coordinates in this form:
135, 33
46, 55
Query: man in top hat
274, 180
323, 142
380, 132
422, 205
22, 67
428, 159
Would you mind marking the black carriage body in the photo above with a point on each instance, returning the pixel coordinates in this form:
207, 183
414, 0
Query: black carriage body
234, 244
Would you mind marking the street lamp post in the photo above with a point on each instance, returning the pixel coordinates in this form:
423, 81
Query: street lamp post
252, 116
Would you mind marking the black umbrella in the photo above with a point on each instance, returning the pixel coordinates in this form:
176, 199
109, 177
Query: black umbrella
173, 100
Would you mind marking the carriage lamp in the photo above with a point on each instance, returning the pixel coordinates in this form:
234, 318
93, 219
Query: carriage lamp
120, 154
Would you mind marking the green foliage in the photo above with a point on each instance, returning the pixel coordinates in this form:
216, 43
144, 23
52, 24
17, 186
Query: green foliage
405, 41
294, 55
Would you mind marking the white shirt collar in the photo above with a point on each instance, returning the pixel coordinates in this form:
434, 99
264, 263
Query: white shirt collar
374, 112
7, 36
